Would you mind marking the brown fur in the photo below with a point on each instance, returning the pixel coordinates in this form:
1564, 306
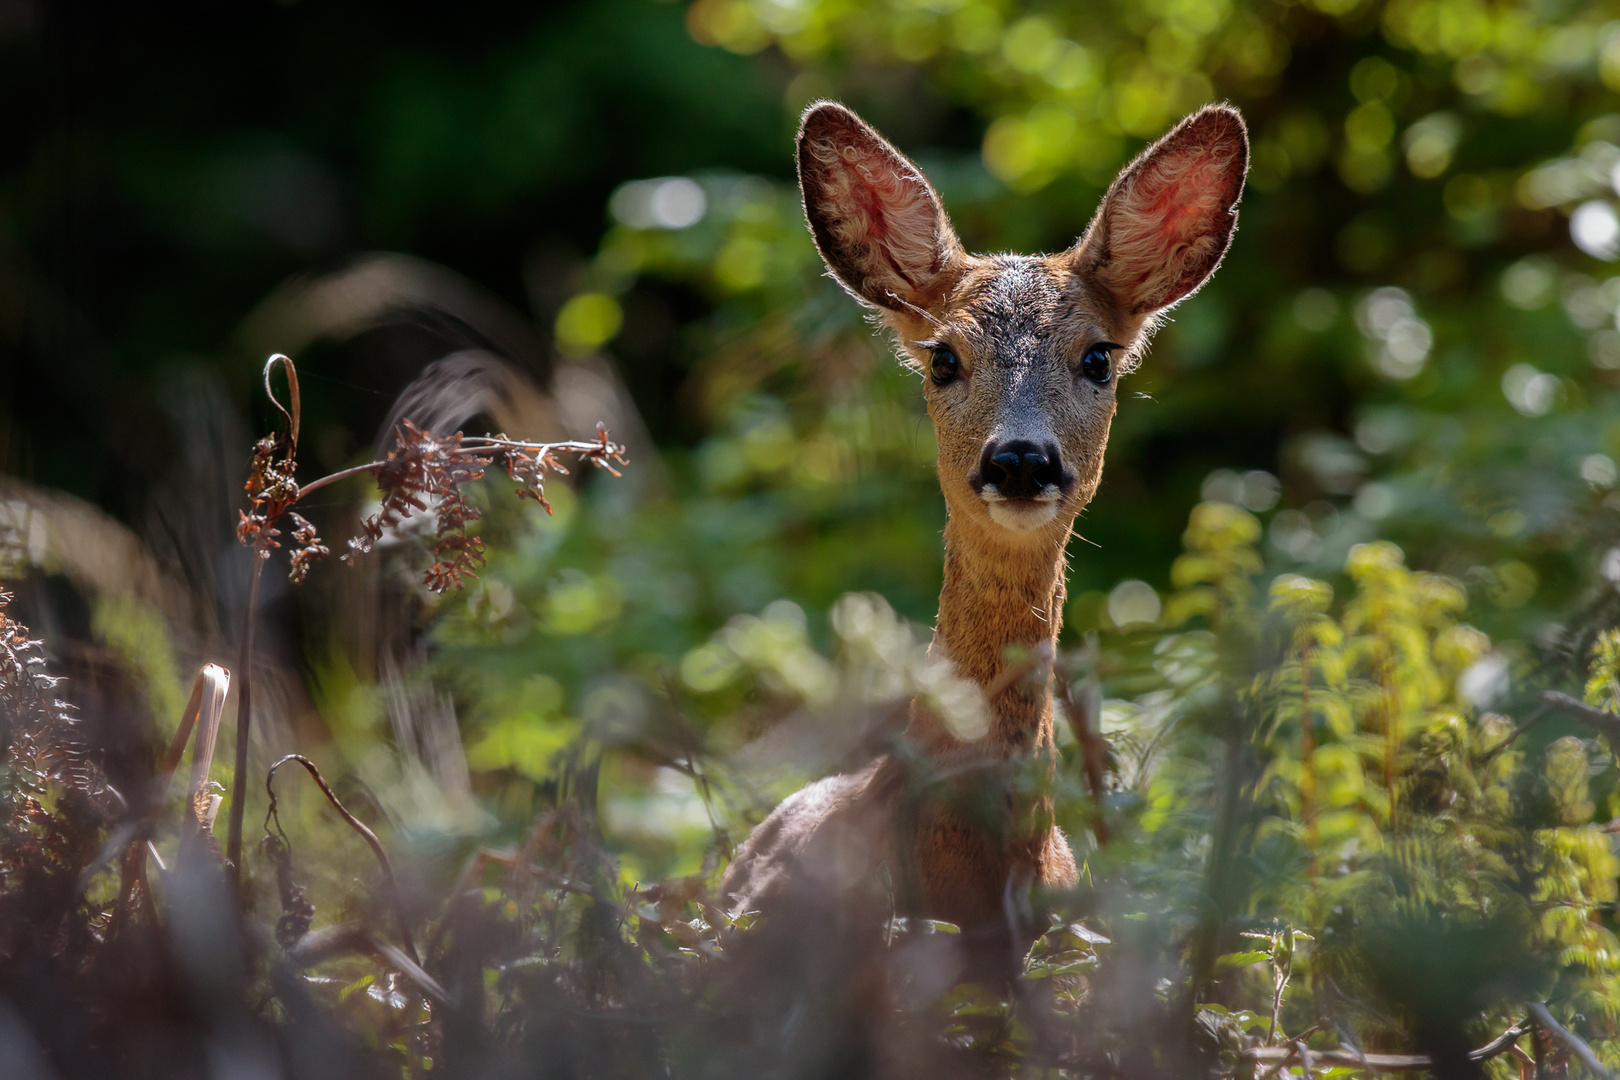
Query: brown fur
958, 834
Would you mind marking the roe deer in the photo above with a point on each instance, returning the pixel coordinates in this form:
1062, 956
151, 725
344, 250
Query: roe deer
1021, 357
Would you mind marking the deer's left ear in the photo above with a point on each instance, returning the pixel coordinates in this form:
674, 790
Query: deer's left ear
1167, 220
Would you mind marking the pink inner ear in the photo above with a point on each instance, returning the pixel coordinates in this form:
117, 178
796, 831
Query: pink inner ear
868, 200
1184, 194
884, 217
1168, 226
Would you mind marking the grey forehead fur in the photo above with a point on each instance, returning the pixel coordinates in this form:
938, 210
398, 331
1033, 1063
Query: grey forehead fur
1020, 289
1015, 305
1023, 303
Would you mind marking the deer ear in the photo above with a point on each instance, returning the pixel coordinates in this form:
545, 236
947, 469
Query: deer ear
1167, 220
877, 222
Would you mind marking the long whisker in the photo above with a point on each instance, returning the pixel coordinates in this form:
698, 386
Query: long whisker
909, 306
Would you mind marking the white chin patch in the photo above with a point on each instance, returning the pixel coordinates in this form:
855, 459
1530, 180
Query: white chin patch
1022, 516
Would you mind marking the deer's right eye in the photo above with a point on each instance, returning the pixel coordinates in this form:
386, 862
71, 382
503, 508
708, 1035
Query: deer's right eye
943, 365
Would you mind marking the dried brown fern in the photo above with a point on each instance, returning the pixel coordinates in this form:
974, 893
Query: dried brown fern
422, 473
57, 809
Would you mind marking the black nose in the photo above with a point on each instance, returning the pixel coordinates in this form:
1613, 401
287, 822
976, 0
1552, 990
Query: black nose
1019, 469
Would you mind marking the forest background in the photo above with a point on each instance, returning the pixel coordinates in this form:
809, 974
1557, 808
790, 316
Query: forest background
1401, 390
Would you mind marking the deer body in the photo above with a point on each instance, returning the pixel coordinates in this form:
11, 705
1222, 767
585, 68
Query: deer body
1021, 357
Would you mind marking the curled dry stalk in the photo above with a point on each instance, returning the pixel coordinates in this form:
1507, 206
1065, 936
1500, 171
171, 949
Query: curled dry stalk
392, 886
423, 472
202, 717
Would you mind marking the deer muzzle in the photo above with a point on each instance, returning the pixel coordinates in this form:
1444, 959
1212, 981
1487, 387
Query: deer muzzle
1021, 481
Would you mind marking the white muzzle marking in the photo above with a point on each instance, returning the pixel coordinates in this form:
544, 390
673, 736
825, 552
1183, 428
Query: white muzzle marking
1022, 515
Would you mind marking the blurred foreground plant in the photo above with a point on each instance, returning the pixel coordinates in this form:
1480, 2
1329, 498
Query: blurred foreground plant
422, 473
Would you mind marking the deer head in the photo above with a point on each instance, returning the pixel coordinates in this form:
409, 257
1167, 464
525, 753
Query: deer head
1021, 354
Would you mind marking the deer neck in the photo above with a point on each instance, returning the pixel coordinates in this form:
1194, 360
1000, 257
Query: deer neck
999, 613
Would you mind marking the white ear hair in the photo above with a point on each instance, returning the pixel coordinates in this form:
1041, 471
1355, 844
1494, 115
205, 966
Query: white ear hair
1168, 218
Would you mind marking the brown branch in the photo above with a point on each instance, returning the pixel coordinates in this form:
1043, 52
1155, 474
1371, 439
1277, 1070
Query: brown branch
1279, 1057
1602, 722
409, 968
353, 937
577, 446
1502, 1043
423, 472
1535, 718
1084, 720
1574, 1042
341, 474
1015, 672
358, 826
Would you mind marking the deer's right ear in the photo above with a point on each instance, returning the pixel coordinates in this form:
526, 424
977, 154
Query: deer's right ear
1167, 219
877, 222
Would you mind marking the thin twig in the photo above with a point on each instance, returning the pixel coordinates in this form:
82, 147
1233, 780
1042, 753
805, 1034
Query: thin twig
133, 872
341, 474
216, 684
1084, 720
1603, 723
1574, 1042
358, 826
1279, 1057
699, 775
1535, 718
1014, 673
1501, 1043
576, 446
410, 969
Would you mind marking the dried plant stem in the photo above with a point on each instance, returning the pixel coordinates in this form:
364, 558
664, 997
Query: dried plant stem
1279, 1057
341, 474
576, 446
244, 724
202, 715
1606, 724
358, 826
208, 697
422, 473
1535, 718
1085, 720
1573, 1042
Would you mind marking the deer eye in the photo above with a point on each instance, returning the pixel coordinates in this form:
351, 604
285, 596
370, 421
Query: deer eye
943, 365
1097, 365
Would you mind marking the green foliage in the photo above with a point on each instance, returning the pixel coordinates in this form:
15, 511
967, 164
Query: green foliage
1603, 686
1394, 412
1382, 801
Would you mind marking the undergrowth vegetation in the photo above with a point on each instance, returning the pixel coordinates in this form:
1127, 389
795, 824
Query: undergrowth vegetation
1314, 827
1339, 676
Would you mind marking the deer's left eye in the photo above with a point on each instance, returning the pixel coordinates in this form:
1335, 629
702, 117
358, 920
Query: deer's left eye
1098, 365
